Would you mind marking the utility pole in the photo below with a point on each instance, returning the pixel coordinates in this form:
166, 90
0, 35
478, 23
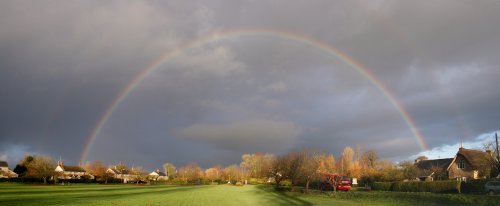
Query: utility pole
498, 154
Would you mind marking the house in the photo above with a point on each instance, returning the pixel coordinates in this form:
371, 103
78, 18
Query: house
5, 172
467, 164
123, 174
157, 175
69, 172
433, 169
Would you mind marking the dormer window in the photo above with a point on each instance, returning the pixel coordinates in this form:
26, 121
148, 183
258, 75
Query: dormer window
461, 165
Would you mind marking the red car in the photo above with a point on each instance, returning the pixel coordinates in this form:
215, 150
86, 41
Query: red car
344, 184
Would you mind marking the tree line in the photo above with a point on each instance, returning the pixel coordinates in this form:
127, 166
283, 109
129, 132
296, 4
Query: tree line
305, 167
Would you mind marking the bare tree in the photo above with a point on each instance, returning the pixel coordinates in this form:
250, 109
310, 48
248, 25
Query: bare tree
346, 160
279, 169
493, 161
170, 170
191, 171
139, 174
369, 158
408, 170
41, 167
310, 168
22, 168
257, 165
213, 173
234, 173
98, 170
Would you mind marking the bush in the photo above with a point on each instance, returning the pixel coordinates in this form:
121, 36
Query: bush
22, 180
382, 186
435, 186
473, 186
220, 181
259, 181
179, 181
369, 180
285, 185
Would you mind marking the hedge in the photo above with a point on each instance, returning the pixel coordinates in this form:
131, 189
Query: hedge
22, 180
434, 186
31, 180
474, 186
382, 186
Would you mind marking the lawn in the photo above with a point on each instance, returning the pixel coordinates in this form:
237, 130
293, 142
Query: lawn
18, 194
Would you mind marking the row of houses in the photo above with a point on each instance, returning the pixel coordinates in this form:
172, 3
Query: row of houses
67, 172
127, 175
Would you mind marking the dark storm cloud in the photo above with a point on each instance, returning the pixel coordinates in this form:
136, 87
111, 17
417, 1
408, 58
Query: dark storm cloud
62, 64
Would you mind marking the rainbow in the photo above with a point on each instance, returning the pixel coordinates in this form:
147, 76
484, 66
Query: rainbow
322, 46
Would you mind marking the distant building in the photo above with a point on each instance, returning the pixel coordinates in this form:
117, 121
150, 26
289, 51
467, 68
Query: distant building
123, 174
467, 164
157, 175
5, 172
69, 172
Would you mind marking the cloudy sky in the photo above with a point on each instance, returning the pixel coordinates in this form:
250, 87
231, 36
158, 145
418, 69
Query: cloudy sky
261, 76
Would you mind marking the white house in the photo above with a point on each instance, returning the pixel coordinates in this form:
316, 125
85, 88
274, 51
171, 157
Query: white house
69, 172
157, 175
5, 172
123, 174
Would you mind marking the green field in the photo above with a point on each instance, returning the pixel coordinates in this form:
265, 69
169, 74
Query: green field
17, 194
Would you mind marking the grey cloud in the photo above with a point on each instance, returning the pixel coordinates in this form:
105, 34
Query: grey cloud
63, 63
254, 135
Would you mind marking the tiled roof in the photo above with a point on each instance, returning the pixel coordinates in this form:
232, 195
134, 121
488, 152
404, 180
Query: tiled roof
124, 172
428, 164
73, 168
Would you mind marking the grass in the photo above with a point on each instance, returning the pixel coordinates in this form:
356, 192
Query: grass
18, 194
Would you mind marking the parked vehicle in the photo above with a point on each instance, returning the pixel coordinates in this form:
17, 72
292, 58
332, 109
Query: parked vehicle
342, 183
492, 187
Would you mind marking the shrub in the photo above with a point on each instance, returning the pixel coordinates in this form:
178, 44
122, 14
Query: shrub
473, 186
382, 186
179, 181
261, 181
285, 185
435, 186
22, 180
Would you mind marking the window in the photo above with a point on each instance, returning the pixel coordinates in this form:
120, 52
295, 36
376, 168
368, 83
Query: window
461, 165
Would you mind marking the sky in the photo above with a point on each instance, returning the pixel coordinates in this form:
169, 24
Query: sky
149, 82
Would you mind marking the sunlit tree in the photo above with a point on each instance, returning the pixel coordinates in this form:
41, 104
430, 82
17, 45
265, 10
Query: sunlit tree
41, 167
170, 170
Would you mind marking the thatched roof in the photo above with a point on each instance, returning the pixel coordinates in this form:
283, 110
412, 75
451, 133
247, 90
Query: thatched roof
475, 158
428, 164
